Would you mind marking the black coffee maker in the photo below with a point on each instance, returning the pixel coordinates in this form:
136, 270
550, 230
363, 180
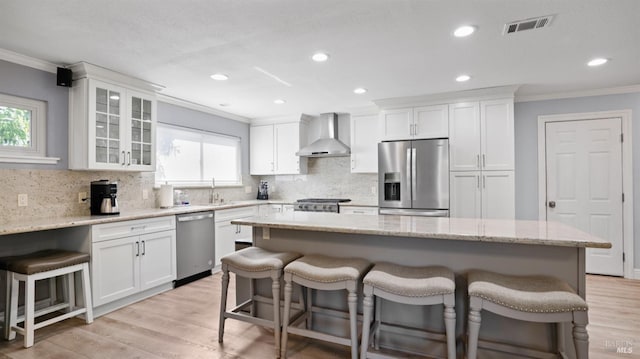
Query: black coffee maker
263, 190
104, 197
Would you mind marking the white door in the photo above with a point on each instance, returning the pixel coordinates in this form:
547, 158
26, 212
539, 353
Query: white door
396, 124
157, 259
261, 150
466, 199
431, 121
287, 143
464, 136
364, 144
497, 135
584, 184
115, 269
498, 195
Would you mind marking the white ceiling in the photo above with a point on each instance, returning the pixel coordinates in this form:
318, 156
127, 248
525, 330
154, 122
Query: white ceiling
394, 48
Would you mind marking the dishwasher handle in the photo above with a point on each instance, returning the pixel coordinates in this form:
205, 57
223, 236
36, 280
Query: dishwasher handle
195, 217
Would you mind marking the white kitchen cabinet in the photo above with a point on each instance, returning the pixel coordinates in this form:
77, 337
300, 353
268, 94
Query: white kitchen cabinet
364, 144
227, 234
131, 256
414, 123
273, 148
288, 208
111, 126
481, 135
358, 210
482, 194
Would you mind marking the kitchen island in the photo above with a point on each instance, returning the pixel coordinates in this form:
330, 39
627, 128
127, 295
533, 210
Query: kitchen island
505, 246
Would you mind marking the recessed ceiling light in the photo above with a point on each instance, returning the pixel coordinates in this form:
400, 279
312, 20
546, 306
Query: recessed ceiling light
463, 78
114, 97
279, 101
220, 77
597, 62
464, 31
360, 90
320, 57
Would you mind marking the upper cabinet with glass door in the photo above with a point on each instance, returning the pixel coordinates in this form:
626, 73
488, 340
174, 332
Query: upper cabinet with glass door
111, 126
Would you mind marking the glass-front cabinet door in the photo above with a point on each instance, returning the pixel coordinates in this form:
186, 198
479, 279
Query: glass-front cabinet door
106, 147
142, 112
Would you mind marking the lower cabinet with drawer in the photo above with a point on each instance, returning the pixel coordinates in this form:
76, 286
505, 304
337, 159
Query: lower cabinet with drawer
131, 258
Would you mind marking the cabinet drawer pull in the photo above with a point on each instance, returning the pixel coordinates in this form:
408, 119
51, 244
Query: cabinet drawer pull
144, 248
133, 228
137, 249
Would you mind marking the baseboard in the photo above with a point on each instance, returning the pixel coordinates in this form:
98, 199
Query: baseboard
636, 273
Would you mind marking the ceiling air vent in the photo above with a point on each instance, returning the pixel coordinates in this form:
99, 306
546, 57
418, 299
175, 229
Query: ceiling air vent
528, 24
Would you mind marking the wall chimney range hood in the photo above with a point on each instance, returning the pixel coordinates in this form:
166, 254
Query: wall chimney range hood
327, 144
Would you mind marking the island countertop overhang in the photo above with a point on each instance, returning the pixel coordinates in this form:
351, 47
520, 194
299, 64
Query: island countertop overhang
465, 229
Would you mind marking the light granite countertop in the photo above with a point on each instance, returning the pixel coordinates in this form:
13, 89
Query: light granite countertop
483, 230
24, 225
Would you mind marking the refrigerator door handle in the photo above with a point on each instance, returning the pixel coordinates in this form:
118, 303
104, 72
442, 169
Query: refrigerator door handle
409, 175
414, 174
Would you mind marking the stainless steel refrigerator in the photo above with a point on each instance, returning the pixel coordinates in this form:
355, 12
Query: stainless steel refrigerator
413, 177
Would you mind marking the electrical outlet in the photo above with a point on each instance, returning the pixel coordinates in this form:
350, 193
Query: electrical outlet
23, 200
247, 189
82, 196
145, 194
374, 190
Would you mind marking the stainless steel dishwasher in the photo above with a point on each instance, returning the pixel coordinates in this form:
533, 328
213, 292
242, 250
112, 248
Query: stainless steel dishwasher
195, 246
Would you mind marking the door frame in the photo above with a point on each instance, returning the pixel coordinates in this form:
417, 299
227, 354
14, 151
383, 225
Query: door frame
627, 173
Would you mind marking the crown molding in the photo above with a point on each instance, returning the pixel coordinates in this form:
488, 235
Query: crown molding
28, 61
202, 108
574, 94
457, 96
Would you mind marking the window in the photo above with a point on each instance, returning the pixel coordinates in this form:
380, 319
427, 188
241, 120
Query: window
188, 157
23, 130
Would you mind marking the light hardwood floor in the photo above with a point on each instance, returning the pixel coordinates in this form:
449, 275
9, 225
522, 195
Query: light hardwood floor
183, 323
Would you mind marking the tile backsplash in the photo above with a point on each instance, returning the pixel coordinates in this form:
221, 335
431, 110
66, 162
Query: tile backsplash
54, 193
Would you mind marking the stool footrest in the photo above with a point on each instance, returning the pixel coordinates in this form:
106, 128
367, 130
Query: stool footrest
247, 318
320, 336
60, 317
43, 311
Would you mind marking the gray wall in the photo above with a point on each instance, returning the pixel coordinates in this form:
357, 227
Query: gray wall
27, 82
181, 116
526, 142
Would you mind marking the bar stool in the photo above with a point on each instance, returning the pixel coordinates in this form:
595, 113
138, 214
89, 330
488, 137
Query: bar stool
408, 285
322, 273
32, 267
254, 263
540, 299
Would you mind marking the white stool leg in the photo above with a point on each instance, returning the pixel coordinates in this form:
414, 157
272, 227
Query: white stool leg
475, 306
376, 335
580, 335
309, 308
13, 290
223, 301
252, 305
352, 300
86, 292
450, 324
285, 321
29, 311
275, 289
69, 285
7, 305
53, 291
367, 310
560, 338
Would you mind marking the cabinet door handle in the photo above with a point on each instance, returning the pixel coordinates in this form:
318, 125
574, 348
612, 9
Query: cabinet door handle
477, 161
123, 158
484, 181
129, 158
478, 181
415, 129
144, 248
137, 249
484, 161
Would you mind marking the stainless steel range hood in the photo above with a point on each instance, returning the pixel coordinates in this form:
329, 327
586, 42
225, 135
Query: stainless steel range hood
327, 144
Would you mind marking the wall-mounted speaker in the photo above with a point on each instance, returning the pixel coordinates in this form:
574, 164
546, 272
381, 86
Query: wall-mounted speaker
64, 77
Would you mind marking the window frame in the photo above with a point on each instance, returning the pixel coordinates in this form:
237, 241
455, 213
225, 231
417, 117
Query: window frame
37, 151
202, 183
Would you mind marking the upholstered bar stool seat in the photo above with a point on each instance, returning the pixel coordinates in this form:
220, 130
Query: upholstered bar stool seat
32, 267
254, 263
532, 298
323, 273
407, 285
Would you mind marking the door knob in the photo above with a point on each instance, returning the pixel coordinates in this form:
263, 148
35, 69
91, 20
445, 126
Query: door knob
552, 204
